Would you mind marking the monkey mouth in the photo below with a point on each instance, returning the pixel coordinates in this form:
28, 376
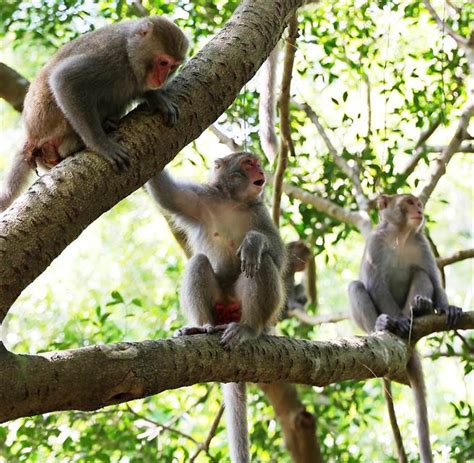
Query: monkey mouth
259, 182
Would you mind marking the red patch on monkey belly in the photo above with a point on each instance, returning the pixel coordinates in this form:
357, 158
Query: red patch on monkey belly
227, 313
48, 153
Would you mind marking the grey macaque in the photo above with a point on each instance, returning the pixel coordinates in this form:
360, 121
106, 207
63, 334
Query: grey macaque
234, 281
85, 89
399, 280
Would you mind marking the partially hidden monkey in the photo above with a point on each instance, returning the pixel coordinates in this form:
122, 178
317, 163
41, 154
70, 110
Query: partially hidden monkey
85, 89
298, 255
399, 280
234, 281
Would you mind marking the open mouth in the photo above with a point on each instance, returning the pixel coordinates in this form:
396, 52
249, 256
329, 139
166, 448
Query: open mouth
259, 182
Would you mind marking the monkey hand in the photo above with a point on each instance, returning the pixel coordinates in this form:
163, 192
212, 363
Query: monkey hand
158, 100
400, 326
235, 334
116, 154
250, 252
421, 306
453, 314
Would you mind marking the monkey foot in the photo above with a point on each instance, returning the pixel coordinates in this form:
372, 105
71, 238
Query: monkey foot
236, 334
421, 306
227, 313
400, 326
453, 314
190, 330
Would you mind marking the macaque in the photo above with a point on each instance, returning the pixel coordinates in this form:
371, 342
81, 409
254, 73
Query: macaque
234, 281
399, 280
298, 255
85, 89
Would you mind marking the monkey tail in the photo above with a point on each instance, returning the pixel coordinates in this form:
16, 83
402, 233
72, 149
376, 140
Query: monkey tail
267, 106
417, 383
236, 416
16, 178
387, 389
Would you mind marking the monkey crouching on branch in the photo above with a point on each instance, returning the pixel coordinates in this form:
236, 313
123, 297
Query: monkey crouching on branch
234, 281
85, 89
399, 280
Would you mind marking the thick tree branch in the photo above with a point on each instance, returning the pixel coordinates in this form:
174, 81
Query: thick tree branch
13, 86
286, 144
55, 210
456, 257
94, 377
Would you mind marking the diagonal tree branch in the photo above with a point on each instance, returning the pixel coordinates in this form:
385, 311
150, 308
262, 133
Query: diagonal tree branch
93, 377
456, 257
55, 210
351, 171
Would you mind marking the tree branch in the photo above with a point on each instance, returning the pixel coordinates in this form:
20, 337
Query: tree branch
93, 377
224, 139
309, 319
358, 219
55, 210
13, 86
461, 41
284, 106
351, 171
456, 257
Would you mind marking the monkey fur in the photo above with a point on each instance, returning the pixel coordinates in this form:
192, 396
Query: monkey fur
237, 264
399, 280
86, 87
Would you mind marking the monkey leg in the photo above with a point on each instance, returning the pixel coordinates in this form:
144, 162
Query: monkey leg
417, 383
70, 144
363, 309
261, 297
420, 295
199, 292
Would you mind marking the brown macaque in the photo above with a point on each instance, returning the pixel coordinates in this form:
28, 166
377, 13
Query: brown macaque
234, 281
85, 89
399, 280
298, 256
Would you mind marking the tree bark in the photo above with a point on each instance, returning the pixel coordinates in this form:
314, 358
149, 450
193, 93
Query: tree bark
94, 377
55, 210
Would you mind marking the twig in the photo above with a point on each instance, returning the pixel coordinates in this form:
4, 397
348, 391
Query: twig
284, 106
469, 347
305, 317
160, 425
224, 139
463, 148
204, 446
462, 41
420, 147
352, 172
456, 257
369, 112
140, 10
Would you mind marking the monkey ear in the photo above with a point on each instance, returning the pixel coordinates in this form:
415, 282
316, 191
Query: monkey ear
218, 163
383, 201
144, 28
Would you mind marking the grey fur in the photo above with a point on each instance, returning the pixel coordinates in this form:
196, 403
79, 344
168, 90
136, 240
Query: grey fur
399, 280
237, 255
90, 82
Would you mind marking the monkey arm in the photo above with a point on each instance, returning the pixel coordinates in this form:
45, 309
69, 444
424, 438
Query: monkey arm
182, 199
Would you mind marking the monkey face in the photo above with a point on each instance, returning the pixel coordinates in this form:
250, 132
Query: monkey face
163, 67
401, 210
241, 175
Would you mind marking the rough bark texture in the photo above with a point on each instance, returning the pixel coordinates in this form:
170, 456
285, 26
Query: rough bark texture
63, 202
93, 377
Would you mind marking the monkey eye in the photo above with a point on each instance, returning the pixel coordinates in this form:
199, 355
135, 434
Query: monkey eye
410, 202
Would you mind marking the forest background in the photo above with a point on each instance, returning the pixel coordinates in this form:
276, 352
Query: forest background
378, 92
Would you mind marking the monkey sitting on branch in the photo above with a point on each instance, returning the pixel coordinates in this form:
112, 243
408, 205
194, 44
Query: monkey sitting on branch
399, 280
234, 281
85, 89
